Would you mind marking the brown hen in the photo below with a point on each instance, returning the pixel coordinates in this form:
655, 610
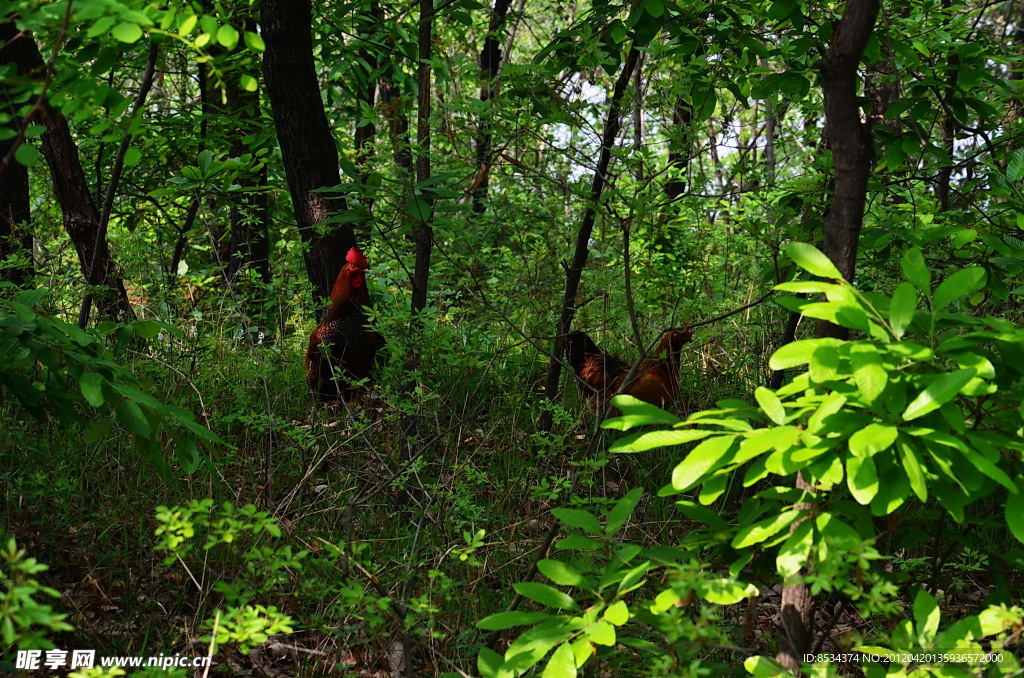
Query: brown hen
601, 374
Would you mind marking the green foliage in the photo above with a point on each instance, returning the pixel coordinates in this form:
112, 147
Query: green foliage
24, 621
40, 356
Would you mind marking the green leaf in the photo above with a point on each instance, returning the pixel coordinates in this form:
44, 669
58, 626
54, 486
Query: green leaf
1014, 511
489, 662
254, 42
700, 460
916, 271
872, 439
902, 307
862, 479
602, 633
507, 620
562, 664
649, 440
26, 155
126, 32
636, 412
562, 574
132, 157
578, 518
129, 412
771, 405
926, 617
1015, 165
227, 36
147, 329
938, 393
187, 24
915, 472
869, 374
959, 284
621, 512
617, 613
765, 529
798, 353
547, 596
812, 260
91, 385
248, 83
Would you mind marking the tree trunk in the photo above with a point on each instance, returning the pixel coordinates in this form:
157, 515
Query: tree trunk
852, 152
250, 215
490, 67
579, 259
15, 214
424, 232
81, 218
307, 146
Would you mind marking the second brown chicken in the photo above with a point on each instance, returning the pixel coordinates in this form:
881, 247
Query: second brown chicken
601, 374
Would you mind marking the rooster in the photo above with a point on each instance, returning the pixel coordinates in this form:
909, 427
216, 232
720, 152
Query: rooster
341, 347
656, 380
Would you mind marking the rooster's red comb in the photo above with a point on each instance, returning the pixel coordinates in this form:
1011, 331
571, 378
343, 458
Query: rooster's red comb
356, 258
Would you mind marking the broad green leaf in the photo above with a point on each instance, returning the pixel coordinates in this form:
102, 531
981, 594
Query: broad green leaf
91, 385
26, 155
959, 284
649, 440
562, 574
562, 664
131, 415
700, 460
126, 32
227, 36
578, 518
602, 633
862, 479
132, 157
915, 472
916, 271
1014, 511
248, 83
617, 613
762, 530
147, 329
764, 667
869, 374
1015, 165
938, 393
926, 617
798, 353
872, 439
621, 512
254, 42
824, 364
547, 596
796, 550
812, 260
725, 591
489, 662
507, 620
771, 405
636, 412
902, 307
187, 24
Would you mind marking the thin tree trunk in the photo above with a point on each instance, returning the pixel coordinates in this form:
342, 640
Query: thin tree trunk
15, 212
307, 145
115, 178
81, 218
366, 88
250, 214
575, 271
490, 68
424, 232
852, 151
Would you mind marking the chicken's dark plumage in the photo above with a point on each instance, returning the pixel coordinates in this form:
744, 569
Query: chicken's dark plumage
342, 348
601, 374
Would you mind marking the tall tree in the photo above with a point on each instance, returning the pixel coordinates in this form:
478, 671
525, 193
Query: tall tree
490, 66
422, 200
307, 145
81, 218
852, 150
15, 236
